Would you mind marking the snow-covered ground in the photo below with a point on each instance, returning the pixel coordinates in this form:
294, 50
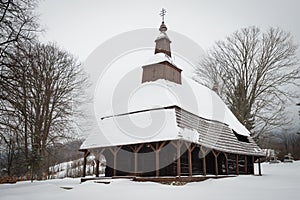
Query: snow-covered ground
74, 168
279, 181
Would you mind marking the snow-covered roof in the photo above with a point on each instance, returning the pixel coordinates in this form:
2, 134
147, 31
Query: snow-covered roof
134, 128
158, 58
189, 95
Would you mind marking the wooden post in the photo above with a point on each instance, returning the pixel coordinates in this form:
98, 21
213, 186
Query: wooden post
157, 163
97, 168
203, 160
246, 165
252, 164
178, 158
204, 165
84, 165
259, 168
115, 164
190, 163
135, 163
136, 149
190, 149
85, 155
216, 162
97, 154
114, 151
237, 164
157, 149
178, 147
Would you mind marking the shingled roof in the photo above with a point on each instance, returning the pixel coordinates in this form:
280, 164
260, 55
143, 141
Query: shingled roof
213, 134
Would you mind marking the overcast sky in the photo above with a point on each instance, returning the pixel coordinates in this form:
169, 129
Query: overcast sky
79, 26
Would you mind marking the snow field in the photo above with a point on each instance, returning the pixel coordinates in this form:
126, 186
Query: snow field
279, 181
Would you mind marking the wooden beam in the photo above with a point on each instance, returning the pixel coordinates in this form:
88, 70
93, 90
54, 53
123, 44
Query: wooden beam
115, 164
84, 165
204, 165
157, 163
204, 151
178, 145
136, 149
152, 147
174, 144
97, 168
85, 155
259, 167
190, 163
97, 154
114, 151
190, 147
252, 164
157, 149
216, 153
101, 152
135, 163
162, 145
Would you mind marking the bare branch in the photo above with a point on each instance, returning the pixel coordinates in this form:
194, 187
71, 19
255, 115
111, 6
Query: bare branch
252, 71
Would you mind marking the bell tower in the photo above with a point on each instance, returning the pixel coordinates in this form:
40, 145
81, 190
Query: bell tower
164, 67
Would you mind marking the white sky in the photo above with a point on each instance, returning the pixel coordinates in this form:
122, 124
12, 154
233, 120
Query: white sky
79, 26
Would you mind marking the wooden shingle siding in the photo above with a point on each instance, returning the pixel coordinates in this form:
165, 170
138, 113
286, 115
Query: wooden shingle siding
162, 70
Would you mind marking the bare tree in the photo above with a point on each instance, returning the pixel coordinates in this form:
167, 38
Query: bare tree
42, 91
252, 71
17, 22
283, 140
40, 87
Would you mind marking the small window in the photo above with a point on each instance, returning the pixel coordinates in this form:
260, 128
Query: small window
241, 138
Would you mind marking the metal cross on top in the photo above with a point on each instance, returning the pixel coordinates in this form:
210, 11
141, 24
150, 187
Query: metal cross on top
162, 14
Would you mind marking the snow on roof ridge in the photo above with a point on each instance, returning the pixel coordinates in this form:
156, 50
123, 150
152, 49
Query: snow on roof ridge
158, 58
162, 35
138, 111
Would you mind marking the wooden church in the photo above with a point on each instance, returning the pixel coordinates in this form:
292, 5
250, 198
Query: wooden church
195, 135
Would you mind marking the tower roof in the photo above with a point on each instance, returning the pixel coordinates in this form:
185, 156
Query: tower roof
163, 27
163, 41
